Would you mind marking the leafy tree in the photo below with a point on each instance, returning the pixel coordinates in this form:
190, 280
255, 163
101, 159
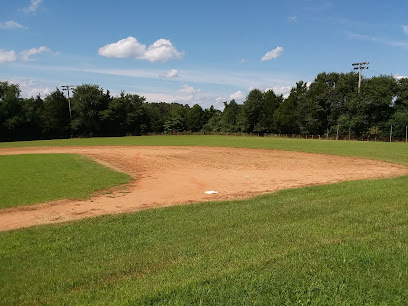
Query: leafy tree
173, 124
229, 119
258, 110
315, 111
251, 110
345, 90
286, 116
88, 102
11, 112
210, 112
355, 117
195, 118
402, 93
175, 119
55, 116
32, 110
137, 120
125, 115
214, 123
399, 119
114, 117
331, 101
378, 94
271, 103
157, 113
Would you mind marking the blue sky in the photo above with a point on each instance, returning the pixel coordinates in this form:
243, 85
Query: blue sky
203, 52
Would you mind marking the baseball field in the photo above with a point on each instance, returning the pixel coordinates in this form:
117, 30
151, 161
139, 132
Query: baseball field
106, 221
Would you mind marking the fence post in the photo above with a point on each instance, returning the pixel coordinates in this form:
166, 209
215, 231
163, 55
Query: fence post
406, 133
337, 135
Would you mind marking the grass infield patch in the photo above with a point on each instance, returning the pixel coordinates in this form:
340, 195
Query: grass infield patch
34, 178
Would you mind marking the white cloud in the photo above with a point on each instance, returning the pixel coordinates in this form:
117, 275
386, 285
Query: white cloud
35, 91
284, 90
189, 89
399, 77
204, 100
161, 50
157, 97
7, 56
237, 96
26, 54
134, 73
392, 43
31, 88
292, 19
280, 90
32, 8
9, 25
187, 95
405, 29
124, 48
275, 53
173, 73
215, 86
221, 79
243, 61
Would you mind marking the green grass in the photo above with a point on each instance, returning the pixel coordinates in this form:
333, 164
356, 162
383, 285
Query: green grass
391, 152
344, 243
29, 179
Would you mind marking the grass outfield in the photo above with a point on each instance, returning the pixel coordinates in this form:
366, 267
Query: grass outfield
391, 152
35, 178
344, 243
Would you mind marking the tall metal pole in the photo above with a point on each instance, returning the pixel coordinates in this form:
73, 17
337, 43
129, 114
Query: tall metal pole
67, 88
359, 67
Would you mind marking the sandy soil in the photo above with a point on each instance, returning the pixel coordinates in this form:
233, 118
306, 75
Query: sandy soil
166, 176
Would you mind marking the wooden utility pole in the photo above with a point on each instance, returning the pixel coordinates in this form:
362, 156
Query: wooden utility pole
359, 67
391, 134
67, 88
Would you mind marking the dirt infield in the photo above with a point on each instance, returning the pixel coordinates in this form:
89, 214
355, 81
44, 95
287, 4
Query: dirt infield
164, 176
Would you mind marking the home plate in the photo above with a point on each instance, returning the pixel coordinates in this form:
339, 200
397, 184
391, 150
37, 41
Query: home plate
211, 192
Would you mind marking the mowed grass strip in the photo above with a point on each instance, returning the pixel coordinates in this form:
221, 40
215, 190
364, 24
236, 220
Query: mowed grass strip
345, 243
392, 152
34, 178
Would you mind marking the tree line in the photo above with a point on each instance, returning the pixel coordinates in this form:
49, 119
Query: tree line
330, 105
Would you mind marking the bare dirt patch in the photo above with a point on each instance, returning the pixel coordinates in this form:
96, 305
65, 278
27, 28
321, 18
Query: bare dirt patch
164, 176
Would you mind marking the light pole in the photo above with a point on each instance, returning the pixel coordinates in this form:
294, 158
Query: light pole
359, 67
67, 88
